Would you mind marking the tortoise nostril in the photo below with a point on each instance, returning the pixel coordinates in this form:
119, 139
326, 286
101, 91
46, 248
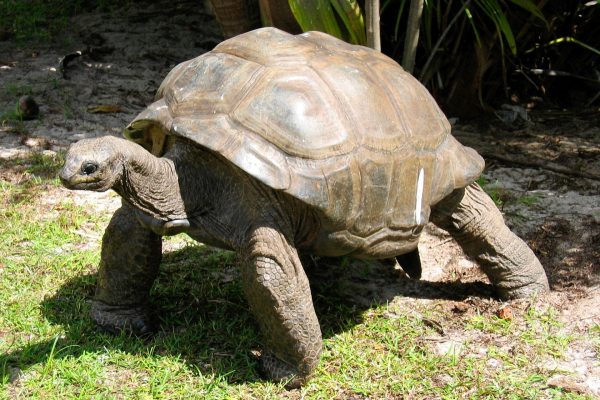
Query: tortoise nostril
63, 175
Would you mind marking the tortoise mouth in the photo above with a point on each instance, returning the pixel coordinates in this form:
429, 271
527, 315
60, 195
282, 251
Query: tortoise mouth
79, 182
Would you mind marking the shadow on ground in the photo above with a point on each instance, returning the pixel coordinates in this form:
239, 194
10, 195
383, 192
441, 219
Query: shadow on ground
204, 319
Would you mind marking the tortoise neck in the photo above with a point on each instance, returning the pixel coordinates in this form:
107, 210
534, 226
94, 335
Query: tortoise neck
150, 183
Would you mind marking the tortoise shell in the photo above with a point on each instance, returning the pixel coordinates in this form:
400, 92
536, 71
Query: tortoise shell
341, 127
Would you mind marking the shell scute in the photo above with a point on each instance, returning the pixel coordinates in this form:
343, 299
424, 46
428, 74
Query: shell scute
292, 109
424, 123
212, 84
267, 46
364, 102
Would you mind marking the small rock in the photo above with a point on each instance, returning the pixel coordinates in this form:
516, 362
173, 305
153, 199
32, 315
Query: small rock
593, 383
449, 348
37, 143
14, 374
28, 108
568, 384
493, 363
460, 308
510, 113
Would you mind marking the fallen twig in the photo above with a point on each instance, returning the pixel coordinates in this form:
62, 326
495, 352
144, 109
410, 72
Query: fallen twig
560, 169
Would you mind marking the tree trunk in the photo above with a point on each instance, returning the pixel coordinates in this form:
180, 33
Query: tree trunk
412, 35
373, 34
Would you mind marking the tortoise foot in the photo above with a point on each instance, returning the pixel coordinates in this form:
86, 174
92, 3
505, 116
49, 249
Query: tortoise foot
117, 319
537, 286
277, 370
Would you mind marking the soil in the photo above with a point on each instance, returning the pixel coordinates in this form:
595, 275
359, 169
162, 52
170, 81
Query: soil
543, 166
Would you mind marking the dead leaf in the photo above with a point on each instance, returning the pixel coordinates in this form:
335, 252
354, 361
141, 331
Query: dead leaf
104, 109
505, 313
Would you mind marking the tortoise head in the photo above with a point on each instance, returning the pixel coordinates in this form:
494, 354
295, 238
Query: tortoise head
93, 164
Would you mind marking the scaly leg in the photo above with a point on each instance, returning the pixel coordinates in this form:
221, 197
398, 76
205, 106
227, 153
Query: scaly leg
279, 295
473, 219
129, 264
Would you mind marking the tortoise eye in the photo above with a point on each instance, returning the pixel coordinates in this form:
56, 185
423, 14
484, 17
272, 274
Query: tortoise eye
89, 168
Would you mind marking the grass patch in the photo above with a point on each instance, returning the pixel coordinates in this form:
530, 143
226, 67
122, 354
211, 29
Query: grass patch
14, 117
595, 337
529, 200
42, 21
496, 194
18, 90
24, 179
205, 345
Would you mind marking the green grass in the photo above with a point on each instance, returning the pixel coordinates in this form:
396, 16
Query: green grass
49, 348
595, 337
17, 90
496, 194
529, 200
43, 21
12, 115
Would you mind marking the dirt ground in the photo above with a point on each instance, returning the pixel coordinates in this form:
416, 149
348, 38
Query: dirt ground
545, 170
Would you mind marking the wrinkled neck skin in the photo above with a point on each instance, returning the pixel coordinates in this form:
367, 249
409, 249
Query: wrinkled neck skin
150, 184
221, 202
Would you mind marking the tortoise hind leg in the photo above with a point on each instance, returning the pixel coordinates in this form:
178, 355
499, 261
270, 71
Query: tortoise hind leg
473, 219
129, 264
411, 264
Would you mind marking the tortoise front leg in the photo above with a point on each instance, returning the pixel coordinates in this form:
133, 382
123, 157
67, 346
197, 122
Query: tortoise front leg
279, 295
129, 264
473, 219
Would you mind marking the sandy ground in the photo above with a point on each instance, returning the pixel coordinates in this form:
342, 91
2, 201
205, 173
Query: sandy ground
546, 171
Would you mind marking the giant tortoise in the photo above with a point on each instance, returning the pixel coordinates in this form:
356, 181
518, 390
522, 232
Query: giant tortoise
275, 145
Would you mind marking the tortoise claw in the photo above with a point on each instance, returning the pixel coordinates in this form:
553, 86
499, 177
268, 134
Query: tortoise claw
277, 370
163, 228
118, 319
176, 226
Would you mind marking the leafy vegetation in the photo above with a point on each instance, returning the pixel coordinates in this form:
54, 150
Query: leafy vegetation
39, 20
465, 46
13, 115
340, 18
495, 193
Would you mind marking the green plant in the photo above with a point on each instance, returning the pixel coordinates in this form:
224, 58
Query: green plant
494, 193
466, 45
595, 336
11, 115
341, 18
17, 90
39, 20
529, 200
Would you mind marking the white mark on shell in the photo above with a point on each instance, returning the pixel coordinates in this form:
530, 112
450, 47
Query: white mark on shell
419, 202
